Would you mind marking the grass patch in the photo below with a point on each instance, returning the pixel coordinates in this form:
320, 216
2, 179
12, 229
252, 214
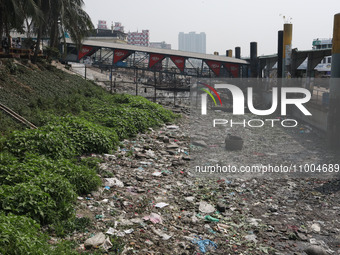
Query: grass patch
63, 228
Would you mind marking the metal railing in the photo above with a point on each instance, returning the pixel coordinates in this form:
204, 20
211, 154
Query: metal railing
110, 81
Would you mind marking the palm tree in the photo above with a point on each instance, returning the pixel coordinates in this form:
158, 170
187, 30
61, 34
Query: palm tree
70, 18
41, 24
30, 11
53, 17
62, 16
78, 23
10, 16
14, 12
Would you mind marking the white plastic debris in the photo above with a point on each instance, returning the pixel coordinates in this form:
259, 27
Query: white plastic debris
95, 241
128, 231
172, 127
111, 182
161, 234
107, 245
115, 232
190, 199
316, 227
251, 238
161, 205
204, 207
157, 174
154, 218
150, 153
111, 231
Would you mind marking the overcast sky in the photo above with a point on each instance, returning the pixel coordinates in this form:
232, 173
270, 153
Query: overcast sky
226, 23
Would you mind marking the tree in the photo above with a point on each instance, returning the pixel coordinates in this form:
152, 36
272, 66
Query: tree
40, 22
70, 18
61, 16
13, 14
47, 17
10, 16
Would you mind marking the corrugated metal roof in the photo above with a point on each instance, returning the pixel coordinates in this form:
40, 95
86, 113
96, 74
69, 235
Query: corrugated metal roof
162, 51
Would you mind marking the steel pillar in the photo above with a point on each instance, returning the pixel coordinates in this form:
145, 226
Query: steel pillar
334, 103
253, 60
279, 68
238, 52
287, 48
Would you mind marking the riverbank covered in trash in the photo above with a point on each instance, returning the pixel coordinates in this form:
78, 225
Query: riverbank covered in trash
151, 204
147, 201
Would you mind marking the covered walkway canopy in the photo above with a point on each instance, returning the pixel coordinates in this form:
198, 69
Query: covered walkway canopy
188, 63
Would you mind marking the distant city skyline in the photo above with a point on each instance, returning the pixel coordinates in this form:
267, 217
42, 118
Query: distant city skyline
227, 24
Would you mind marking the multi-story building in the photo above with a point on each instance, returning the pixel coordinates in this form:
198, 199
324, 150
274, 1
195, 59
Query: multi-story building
322, 43
102, 24
118, 27
104, 34
139, 38
160, 45
325, 65
192, 42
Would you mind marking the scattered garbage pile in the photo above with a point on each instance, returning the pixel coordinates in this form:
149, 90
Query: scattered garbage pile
149, 203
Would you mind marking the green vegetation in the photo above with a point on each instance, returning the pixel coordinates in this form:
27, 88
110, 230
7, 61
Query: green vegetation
43, 170
22, 235
52, 18
63, 137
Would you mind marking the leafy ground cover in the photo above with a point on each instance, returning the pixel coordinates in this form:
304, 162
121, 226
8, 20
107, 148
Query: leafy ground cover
41, 171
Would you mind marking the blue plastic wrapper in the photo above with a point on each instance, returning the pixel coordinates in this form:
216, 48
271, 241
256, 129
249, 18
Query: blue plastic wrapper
203, 244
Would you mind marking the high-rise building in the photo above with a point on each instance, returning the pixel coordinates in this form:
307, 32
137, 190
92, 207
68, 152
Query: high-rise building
192, 42
140, 39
